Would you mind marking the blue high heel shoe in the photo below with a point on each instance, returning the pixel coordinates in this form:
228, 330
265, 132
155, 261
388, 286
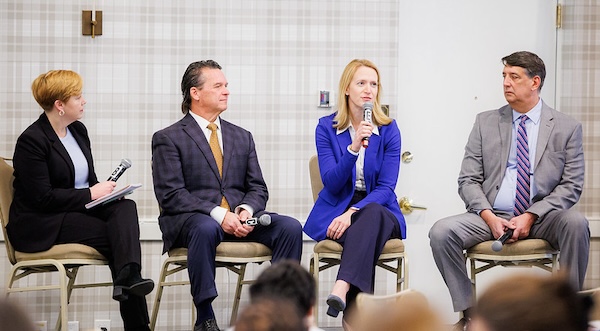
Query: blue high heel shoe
336, 304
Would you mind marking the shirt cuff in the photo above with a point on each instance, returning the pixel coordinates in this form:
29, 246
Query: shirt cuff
239, 208
352, 152
218, 214
477, 211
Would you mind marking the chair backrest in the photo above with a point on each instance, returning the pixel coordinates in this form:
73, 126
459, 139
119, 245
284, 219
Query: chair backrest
6, 197
315, 176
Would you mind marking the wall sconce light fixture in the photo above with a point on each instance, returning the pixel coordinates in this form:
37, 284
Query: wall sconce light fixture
91, 23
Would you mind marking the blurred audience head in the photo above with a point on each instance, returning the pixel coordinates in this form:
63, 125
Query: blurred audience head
13, 317
286, 280
531, 303
273, 314
403, 311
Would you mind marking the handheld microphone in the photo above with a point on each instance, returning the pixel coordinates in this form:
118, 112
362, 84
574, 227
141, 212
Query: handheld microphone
125, 164
497, 245
264, 220
368, 117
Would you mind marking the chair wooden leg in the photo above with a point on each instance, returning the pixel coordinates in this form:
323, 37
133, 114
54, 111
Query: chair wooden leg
62, 321
473, 280
11, 279
399, 275
193, 307
314, 270
72, 274
238, 293
159, 291
405, 273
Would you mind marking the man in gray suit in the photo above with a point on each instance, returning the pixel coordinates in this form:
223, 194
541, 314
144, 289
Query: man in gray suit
490, 180
208, 182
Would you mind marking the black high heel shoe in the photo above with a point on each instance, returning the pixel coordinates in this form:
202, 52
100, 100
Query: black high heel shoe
336, 304
130, 281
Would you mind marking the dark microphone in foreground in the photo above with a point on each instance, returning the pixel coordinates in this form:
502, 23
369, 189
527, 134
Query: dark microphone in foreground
125, 164
367, 117
497, 245
264, 220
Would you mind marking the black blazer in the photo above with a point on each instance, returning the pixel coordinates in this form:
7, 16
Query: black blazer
44, 185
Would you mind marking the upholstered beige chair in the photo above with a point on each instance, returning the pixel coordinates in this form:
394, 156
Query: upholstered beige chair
66, 259
234, 256
524, 253
328, 253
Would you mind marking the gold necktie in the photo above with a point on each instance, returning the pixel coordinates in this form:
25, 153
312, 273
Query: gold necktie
216, 150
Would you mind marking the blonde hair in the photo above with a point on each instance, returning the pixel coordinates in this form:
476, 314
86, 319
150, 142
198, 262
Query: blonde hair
56, 85
342, 118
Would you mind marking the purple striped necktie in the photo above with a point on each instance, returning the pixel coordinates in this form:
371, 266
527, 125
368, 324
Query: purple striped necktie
523, 169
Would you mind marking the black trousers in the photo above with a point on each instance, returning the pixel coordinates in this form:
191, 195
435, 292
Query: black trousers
114, 231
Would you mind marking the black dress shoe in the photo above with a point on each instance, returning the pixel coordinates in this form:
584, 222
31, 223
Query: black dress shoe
336, 304
130, 281
208, 325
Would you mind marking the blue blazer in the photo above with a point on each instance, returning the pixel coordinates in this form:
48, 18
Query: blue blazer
338, 173
186, 177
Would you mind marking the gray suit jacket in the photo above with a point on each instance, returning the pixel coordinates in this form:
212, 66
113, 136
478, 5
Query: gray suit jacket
558, 166
186, 177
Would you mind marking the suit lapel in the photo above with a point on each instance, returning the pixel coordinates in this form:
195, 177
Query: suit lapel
371, 156
374, 142
228, 143
343, 139
88, 156
192, 129
546, 126
58, 146
505, 127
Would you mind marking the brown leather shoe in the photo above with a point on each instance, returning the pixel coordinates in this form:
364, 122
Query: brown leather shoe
461, 325
208, 325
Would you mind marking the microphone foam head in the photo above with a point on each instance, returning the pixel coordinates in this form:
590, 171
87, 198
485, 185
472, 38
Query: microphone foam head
368, 105
496, 246
126, 163
264, 219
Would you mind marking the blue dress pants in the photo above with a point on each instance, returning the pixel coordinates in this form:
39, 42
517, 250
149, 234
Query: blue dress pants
201, 235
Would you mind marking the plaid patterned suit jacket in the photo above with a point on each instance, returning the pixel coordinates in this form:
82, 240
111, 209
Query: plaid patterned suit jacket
186, 178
